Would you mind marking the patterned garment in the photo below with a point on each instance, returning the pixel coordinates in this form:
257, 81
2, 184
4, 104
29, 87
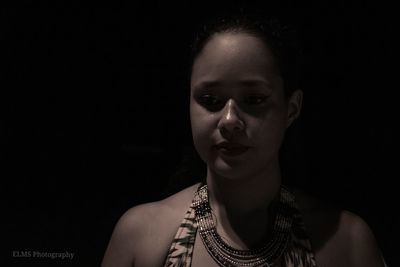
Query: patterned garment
297, 254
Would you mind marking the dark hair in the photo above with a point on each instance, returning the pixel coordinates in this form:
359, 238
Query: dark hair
282, 38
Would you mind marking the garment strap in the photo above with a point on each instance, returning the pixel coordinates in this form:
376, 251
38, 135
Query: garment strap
298, 253
181, 250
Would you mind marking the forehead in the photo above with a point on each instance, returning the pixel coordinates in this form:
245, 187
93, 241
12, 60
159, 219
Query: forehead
231, 40
232, 56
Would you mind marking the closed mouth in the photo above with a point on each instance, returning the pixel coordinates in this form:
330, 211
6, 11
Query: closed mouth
231, 149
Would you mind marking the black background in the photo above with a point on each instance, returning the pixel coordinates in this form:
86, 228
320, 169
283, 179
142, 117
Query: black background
96, 117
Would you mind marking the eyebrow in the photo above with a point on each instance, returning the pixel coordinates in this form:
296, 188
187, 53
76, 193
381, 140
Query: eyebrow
255, 82
207, 84
247, 83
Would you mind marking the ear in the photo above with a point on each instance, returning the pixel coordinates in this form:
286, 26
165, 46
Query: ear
294, 106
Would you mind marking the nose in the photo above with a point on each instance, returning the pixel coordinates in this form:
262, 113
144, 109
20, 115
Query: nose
230, 120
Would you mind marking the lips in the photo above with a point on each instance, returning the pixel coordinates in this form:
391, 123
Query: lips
231, 149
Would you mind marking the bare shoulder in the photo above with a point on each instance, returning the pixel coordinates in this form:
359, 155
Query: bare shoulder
338, 237
365, 251
146, 227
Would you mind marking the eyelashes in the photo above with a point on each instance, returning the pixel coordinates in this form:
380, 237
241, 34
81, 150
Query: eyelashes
209, 100
214, 102
256, 99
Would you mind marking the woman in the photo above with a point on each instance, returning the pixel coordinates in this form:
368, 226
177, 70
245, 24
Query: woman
243, 98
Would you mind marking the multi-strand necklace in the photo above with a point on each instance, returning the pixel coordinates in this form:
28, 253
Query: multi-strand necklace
227, 256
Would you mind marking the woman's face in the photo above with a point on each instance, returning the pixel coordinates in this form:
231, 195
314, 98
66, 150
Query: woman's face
238, 108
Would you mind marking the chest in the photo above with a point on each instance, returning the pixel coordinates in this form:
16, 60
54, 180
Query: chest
332, 256
200, 257
153, 250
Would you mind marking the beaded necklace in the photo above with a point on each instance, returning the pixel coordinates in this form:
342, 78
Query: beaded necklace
227, 256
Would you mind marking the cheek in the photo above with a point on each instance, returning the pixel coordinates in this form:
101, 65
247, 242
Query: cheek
202, 131
269, 132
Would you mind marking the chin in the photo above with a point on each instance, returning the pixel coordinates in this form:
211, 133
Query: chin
229, 170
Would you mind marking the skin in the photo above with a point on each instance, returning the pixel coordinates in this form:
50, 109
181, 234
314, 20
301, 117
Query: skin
237, 96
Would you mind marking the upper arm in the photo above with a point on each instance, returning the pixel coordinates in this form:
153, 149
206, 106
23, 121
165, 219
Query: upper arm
340, 238
120, 251
365, 251
144, 228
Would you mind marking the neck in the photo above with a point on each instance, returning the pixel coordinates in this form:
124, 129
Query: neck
241, 205
244, 195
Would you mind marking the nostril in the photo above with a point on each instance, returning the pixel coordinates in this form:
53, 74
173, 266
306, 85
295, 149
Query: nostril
239, 126
230, 121
231, 125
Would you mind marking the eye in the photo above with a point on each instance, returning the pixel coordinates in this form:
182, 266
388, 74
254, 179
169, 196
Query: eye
256, 99
209, 100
